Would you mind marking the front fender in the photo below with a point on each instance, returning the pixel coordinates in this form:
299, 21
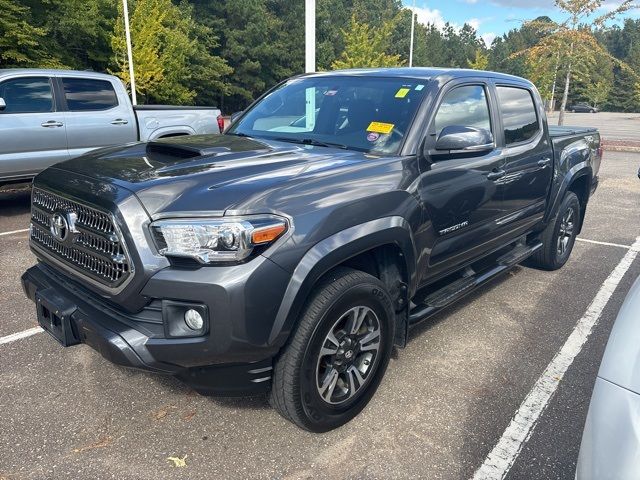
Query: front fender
333, 251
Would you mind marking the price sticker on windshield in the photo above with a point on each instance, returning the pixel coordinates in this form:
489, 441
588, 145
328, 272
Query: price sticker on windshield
402, 92
380, 127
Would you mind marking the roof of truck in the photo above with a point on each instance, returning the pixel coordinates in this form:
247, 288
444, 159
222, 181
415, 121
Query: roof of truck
51, 71
426, 73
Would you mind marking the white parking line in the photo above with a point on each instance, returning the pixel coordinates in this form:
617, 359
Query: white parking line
501, 458
17, 336
2, 234
626, 247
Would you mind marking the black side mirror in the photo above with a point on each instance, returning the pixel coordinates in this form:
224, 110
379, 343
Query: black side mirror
457, 138
3, 105
234, 116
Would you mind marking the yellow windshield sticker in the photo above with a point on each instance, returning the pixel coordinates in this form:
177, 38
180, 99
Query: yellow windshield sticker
402, 92
380, 127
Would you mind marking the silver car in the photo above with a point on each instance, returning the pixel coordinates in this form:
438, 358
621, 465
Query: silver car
611, 440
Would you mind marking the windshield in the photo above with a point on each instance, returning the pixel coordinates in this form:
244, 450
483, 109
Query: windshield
357, 113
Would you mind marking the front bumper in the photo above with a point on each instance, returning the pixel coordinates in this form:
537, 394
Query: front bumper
214, 363
610, 446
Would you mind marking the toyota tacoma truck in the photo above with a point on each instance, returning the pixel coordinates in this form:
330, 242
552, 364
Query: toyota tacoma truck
292, 253
48, 116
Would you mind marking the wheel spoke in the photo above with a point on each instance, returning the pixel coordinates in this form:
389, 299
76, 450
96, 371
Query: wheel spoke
357, 317
353, 374
333, 346
329, 384
371, 341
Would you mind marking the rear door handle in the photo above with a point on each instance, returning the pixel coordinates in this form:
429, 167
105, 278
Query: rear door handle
119, 121
496, 174
545, 162
52, 124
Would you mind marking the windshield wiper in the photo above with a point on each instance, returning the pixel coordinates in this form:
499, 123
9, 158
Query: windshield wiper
312, 141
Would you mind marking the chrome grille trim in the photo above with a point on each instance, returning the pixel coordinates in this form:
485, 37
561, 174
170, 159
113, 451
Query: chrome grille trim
95, 250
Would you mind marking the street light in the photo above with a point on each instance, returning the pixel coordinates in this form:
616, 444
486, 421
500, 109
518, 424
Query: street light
127, 34
413, 21
310, 36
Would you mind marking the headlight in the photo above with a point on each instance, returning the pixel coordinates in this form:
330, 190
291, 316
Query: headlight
216, 240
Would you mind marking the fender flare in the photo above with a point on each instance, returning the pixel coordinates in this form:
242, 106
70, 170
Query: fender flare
577, 171
174, 130
334, 250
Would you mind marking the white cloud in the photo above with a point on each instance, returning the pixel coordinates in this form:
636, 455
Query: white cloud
471, 2
488, 38
427, 15
474, 22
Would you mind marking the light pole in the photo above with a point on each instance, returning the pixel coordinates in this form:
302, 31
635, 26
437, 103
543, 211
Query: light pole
127, 34
413, 22
310, 35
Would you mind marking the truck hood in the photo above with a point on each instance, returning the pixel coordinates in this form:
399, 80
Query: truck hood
208, 173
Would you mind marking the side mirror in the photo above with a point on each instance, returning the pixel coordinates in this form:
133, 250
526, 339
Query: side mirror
234, 116
3, 105
461, 139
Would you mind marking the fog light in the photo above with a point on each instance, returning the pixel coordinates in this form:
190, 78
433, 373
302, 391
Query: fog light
193, 319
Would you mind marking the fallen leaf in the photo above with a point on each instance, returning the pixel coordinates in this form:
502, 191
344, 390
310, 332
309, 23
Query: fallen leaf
103, 442
178, 462
189, 415
163, 412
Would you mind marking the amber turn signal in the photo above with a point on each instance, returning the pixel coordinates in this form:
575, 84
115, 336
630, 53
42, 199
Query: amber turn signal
267, 234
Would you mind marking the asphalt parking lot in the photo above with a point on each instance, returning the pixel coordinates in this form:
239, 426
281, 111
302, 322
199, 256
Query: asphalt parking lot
444, 403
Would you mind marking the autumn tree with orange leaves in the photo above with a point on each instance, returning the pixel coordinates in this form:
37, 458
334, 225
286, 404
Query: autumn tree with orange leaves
570, 47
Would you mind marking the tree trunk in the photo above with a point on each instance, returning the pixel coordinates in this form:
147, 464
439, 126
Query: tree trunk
553, 88
565, 96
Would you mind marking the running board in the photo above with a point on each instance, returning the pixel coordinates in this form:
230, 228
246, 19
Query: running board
439, 299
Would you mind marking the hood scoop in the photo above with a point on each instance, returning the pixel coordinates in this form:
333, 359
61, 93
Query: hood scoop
180, 150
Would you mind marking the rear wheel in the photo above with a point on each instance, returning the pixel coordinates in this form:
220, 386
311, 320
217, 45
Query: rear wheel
337, 356
559, 236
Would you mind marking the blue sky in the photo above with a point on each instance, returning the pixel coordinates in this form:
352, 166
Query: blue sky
492, 17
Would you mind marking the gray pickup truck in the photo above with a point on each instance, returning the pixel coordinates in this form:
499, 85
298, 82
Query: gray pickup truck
48, 116
291, 253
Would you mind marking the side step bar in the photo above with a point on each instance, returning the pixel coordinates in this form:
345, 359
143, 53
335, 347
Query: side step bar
439, 299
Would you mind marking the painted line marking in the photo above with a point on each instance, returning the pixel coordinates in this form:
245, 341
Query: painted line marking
14, 231
17, 336
501, 458
626, 247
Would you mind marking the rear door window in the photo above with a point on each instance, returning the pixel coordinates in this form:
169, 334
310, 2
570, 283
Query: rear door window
519, 116
464, 106
27, 95
84, 94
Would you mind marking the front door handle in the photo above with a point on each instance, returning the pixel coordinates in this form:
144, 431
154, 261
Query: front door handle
496, 174
119, 121
544, 163
52, 124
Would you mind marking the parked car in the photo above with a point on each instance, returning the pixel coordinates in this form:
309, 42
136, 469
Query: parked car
582, 108
290, 257
611, 438
48, 116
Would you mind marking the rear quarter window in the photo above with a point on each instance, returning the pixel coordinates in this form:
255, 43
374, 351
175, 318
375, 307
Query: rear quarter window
84, 94
518, 112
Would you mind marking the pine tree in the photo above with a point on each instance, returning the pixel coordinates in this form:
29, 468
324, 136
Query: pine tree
366, 47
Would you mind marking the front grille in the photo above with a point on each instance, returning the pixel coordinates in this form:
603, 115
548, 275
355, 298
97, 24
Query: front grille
86, 239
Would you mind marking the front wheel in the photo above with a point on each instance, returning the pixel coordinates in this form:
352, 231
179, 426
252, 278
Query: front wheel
559, 236
338, 354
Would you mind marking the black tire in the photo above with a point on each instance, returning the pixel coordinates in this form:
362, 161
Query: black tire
551, 256
295, 393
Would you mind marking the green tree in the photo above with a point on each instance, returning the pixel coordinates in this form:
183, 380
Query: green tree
21, 43
170, 57
480, 62
366, 47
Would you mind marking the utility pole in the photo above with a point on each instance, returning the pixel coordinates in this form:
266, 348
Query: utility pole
413, 22
129, 52
310, 36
